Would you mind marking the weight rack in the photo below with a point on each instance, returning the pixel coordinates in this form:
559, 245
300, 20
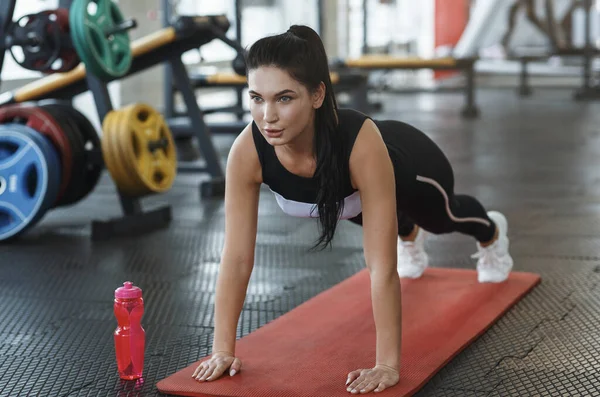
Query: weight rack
182, 126
135, 219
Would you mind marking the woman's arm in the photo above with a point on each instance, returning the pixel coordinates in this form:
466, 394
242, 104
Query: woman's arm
242, 185
373, 175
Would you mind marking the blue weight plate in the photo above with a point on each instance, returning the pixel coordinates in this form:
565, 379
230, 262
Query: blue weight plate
29, 178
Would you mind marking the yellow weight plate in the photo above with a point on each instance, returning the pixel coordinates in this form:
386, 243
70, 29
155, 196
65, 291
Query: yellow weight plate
131, 183
108, 153
139, 150
124, 140
148, 147
111, 153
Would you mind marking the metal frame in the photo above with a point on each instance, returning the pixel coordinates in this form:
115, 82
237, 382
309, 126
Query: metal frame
365, 44
464, 65
321, 18
588, 90
184, 130
238, 38
7, 10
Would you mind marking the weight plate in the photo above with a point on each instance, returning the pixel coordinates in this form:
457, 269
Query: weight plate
91, 144
119, 140
42, 42
106, 55
36, 40
29, 178
43, 123
128, 182
139, 149
78, 173
148, 147
68, 56
108, 153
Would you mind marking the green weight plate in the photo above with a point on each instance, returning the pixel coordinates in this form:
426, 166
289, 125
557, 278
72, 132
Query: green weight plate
104, 55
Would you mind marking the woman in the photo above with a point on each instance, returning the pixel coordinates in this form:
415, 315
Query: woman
331, 164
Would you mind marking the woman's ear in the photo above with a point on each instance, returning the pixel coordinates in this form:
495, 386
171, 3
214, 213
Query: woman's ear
319, 95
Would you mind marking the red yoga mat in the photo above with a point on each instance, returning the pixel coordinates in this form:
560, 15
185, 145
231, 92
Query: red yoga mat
310, 350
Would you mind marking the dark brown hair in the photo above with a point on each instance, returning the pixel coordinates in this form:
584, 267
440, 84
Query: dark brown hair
301, 53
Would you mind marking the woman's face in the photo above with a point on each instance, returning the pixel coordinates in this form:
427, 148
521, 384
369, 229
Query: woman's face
282, 108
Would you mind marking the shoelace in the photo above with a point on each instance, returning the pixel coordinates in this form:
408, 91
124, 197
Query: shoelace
410, 248
489, 255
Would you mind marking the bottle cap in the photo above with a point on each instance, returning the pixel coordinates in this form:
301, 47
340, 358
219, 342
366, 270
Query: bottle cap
128, 291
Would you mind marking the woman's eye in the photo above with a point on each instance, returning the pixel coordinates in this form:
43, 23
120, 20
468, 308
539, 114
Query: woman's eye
285, 99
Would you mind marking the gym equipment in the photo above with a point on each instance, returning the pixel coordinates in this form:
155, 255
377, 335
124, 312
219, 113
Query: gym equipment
70, 132
391, 62
138, 150
165, 45
438, 322
239, 65
45, 124
87, 161
99, 33
44, 41
388, 62
76, 143
560, 40
29, 178
91, 146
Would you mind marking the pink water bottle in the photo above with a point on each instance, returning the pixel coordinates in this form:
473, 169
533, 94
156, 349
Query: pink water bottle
130, 337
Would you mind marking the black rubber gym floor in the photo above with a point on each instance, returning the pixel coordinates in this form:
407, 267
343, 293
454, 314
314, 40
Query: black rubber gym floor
534, 159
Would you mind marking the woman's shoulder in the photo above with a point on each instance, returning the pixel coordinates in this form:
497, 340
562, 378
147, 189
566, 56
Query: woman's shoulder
350, 123
351, 117
243, 157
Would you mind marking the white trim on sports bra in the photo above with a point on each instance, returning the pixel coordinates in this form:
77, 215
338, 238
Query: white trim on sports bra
352, 207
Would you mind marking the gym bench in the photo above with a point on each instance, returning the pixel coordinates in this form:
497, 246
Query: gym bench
386, 62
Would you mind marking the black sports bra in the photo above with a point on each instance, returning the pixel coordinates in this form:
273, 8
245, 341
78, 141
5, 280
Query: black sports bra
296, 195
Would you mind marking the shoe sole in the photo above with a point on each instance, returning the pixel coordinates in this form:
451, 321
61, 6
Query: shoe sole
492, 279
411, 275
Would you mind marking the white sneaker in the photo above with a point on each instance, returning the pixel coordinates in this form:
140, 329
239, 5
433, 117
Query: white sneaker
412, 258
494, 262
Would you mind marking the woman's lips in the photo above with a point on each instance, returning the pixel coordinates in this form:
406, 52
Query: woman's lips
273, 133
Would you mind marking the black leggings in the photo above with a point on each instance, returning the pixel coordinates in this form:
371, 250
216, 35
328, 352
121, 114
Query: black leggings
425, 187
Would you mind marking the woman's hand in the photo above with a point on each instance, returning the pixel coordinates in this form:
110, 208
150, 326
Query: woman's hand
216, 365
378, 379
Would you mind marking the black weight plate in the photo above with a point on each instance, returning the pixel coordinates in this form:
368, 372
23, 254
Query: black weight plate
78, 174
92, 147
